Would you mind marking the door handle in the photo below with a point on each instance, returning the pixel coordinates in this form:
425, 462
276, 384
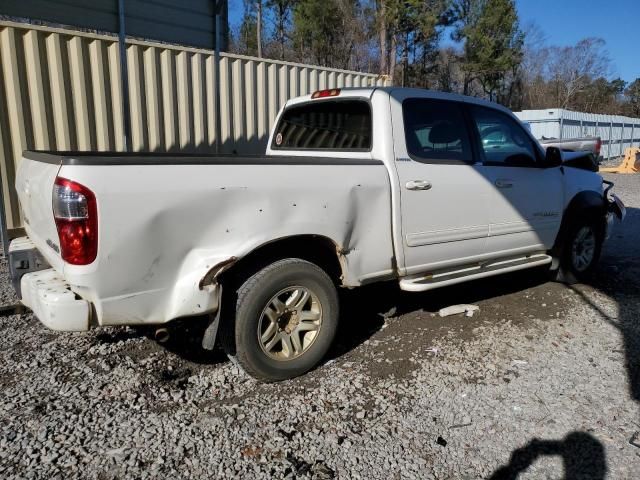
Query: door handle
504, 183
418, 185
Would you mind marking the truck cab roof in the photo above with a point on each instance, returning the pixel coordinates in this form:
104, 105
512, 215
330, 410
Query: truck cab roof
394, 92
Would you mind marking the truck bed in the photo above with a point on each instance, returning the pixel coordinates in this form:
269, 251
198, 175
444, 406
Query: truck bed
165, 220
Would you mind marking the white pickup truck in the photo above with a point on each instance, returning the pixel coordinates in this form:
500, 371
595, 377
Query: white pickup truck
357, 186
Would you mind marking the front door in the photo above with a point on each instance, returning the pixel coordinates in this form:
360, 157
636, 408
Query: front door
443, 192
525, 206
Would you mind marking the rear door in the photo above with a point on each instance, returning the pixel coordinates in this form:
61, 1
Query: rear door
525, 203
443, 192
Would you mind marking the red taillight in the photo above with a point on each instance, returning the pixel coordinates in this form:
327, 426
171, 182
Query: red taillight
598, 146
334, 92
76, 215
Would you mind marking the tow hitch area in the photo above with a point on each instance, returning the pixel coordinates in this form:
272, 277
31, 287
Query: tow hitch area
16, 309
24, 258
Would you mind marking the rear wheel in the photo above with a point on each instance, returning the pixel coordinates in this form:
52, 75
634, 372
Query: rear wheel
285, 320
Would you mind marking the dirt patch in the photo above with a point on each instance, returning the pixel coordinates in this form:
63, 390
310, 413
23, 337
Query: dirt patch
396, 326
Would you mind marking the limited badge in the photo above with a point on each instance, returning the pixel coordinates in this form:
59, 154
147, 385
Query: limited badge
279, 139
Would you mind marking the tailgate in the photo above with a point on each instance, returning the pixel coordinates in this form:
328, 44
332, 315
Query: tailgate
34, 184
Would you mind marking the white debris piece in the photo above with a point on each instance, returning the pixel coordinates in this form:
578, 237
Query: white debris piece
468, 310
434, 350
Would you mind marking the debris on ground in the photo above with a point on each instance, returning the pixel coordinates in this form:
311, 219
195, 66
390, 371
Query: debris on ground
389, 313
467, 309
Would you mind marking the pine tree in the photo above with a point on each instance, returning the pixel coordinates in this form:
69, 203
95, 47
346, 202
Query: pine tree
493, 42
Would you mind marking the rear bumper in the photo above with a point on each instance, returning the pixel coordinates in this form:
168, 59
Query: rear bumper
53, 302
69, 303
44, 291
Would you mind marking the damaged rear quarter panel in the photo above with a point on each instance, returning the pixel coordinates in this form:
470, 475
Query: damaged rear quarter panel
163, 227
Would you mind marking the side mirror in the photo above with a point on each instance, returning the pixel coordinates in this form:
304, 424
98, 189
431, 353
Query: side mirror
552, 157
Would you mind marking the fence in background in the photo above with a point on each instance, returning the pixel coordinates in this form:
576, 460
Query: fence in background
617, 132
61, 90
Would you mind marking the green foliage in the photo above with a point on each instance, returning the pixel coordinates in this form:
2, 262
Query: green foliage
401, 38
633, 94
493, 41
319, 30
617, 86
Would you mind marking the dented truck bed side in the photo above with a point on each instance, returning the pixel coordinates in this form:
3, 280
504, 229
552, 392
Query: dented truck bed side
168, 223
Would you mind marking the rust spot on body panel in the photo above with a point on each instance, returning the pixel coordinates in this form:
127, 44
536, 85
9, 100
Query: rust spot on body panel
213, 274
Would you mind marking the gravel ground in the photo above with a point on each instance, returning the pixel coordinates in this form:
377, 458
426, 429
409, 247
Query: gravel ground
542, 382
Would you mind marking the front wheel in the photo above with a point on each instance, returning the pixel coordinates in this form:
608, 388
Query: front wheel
581, 251
286, 317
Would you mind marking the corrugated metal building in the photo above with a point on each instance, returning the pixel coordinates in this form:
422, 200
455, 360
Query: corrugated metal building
617, 132
187, 22
60, 89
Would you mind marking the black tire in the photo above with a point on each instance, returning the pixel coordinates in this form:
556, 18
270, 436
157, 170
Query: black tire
571, 270
241, 339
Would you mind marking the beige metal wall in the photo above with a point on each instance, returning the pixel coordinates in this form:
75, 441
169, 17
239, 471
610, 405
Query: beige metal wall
60, 90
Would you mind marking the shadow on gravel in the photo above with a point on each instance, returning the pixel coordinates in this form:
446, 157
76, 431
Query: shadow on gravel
364, 310
185, 337
627, 323
618, 277
363, 313
187, 342
583, 457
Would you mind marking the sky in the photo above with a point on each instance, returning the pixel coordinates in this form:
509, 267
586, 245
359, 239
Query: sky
565, 22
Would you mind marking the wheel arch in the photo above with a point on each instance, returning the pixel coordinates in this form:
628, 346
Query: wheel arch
317, 249
587, 203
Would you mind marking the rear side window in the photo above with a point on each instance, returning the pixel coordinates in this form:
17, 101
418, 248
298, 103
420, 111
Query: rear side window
435, 131
325, 125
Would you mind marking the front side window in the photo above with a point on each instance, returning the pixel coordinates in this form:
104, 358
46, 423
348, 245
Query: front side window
343, 125
502, 139
435, 131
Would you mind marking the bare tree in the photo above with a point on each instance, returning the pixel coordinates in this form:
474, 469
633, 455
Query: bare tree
281, 13
571, 69
534, 65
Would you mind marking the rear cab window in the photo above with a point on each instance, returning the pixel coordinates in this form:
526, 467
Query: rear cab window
337, 125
